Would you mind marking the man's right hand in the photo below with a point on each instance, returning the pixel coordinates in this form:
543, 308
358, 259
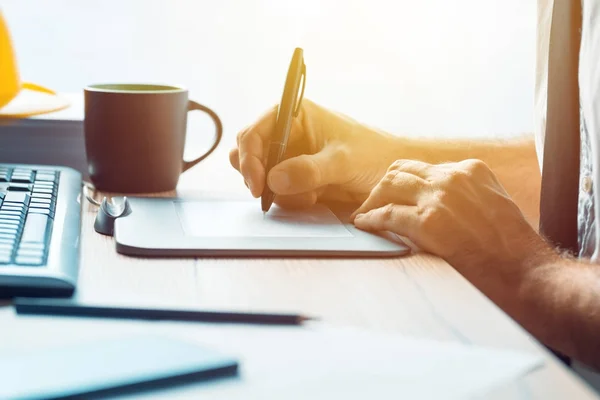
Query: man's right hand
329, 157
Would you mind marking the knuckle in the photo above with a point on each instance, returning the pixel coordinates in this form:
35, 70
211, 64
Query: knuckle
455, 177
242, 137
387, 212
429, 217
475, 166
442, 196
406, 165
341, 155
396, 165
238, 137
234, 157
245, 164
389, 179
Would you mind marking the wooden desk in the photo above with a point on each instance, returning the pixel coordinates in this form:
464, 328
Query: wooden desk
419, 295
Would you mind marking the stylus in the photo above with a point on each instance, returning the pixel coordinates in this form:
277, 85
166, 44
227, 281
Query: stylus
288, 109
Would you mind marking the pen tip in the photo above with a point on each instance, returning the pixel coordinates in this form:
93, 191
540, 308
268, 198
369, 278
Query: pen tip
304, 318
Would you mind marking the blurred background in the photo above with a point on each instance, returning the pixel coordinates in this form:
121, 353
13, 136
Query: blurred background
429, 67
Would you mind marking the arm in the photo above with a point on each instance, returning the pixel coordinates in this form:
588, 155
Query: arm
334, 157
559, 303
461, 212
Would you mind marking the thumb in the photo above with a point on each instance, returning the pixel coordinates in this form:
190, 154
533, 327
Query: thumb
304, 173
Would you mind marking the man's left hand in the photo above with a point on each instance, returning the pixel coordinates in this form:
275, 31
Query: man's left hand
458, 211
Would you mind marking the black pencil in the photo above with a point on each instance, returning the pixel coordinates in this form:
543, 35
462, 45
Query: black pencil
70, 308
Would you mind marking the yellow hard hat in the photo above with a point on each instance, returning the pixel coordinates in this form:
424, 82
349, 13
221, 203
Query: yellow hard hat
12, 103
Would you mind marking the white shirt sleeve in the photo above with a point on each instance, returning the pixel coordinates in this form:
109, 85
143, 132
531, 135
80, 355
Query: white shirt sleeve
544, 22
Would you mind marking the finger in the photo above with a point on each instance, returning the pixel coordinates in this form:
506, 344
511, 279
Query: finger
252, 167
297, 201
234, 158
418, 168
394, 188
307, 173
251, 144
253, 172
400, 219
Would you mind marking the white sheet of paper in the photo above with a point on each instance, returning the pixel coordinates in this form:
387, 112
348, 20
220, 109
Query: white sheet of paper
239, 218
314, 362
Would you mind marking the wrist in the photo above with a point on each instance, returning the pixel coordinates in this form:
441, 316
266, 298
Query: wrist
414, 149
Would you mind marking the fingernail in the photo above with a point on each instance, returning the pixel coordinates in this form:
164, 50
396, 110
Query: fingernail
359, 216
249, 184
279, 181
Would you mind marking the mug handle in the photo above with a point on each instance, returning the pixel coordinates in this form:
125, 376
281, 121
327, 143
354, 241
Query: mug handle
192, 105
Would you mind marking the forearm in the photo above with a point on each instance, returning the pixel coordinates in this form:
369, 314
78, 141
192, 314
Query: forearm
556, 299
513, 161
561, 306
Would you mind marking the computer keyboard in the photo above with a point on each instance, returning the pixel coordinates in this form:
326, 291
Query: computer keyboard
40, 221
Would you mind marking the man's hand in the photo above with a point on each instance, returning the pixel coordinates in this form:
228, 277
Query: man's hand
458, 211
329, 157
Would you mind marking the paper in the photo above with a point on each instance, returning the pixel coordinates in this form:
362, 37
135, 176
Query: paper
314, 362
231, 218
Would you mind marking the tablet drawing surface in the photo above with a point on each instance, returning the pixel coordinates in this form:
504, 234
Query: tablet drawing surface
238, 218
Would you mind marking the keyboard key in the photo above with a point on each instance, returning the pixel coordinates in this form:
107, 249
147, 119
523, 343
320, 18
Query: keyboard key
30, 252
9, 228
14, 207
17, 197
41, 196
10, 211
42, 190
9, 223
19, 170
36, 200
15, 213
43, 183
32, 246
39, 187
28, 260
36, 228
6, 247
41, 205
22, 187
9, 231
10, 217
43, 176
45, 211
7, 213
5, 258
8, 236
22, 176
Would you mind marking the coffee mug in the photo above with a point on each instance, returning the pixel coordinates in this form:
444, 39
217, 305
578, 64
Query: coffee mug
135, 136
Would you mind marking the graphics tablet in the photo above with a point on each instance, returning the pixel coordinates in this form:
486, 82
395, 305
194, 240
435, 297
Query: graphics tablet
233, 227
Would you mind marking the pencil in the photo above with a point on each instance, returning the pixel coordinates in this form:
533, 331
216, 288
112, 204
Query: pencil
73, 309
